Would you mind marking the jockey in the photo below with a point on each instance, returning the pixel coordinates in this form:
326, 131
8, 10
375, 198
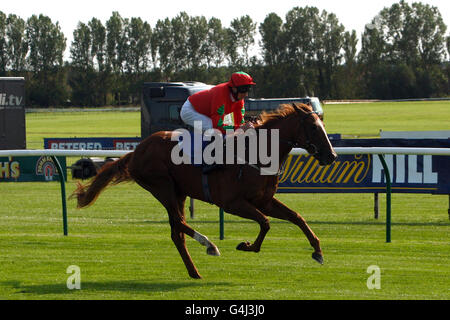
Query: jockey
221, 107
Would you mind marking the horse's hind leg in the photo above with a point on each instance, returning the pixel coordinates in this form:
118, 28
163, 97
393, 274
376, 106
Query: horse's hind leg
179, 228
211, 248
278, 210
163, 190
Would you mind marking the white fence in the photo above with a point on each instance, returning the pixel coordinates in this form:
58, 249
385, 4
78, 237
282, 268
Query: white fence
297, 151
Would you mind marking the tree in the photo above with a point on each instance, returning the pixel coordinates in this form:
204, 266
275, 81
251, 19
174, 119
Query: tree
243, 31
3, 48
139, 38
17, 46
80, 50
314, 44
116, 43
373, 48
116, 55
409, 34
327, 46
430, 30
350, 51
299, 32
98, 54
231, 48
410, 40
98, 45
46, 44
346, 76
216, 39
197, 44
139, 34
163, 43
447, 40
273, 39
180, 36
82, 76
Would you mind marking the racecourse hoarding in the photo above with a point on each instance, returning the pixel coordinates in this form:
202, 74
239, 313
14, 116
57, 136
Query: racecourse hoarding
12, 113
26, 169
365, 174
349, 173
118, 143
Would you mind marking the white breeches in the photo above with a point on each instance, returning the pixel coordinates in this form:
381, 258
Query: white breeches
189, 115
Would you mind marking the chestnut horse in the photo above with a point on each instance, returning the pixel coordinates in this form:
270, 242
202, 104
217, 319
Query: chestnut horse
239, 189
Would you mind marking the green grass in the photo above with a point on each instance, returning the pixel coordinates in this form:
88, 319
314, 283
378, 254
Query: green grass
123, 248
80, 124
367, 119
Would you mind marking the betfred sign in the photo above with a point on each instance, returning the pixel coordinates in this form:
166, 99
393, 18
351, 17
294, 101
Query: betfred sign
92, 143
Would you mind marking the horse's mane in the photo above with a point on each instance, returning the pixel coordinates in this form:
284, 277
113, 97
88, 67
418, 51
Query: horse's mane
283, 111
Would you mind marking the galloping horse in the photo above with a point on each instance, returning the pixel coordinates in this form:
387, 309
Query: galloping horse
239, 189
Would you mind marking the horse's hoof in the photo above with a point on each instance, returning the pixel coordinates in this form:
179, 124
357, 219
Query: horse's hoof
243, 246
318, 257
195, 275
213, 251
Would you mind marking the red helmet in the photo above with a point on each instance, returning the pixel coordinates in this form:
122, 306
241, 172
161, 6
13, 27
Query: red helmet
241, 79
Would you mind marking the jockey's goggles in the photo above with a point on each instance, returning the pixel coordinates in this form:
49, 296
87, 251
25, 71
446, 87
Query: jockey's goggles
243, 89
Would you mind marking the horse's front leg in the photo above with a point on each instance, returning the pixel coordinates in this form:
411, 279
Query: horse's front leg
244, 209
278, 210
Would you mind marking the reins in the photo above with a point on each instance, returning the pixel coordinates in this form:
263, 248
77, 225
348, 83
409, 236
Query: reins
296, 143
291, 143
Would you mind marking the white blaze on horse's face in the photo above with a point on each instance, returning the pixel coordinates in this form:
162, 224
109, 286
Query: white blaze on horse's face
324, 151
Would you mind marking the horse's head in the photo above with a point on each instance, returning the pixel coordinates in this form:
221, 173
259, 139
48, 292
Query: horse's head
312, 135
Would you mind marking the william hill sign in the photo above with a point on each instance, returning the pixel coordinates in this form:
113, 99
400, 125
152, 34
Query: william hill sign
365, 174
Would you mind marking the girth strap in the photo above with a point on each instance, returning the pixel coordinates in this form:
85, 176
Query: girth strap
205, 186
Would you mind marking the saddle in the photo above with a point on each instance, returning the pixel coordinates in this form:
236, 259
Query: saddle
206, 168
190, 151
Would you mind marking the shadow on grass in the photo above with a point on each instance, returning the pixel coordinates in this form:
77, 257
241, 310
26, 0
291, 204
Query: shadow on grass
118, 286
383, 222
275, 221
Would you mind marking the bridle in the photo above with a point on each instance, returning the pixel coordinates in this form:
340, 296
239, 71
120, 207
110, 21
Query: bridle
308, 145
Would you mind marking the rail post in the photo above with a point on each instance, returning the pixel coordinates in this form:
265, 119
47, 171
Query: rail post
375, 205
221, 224
62, 180
388, 197
191, 208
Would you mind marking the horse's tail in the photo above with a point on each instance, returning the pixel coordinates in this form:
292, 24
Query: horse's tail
112, 172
